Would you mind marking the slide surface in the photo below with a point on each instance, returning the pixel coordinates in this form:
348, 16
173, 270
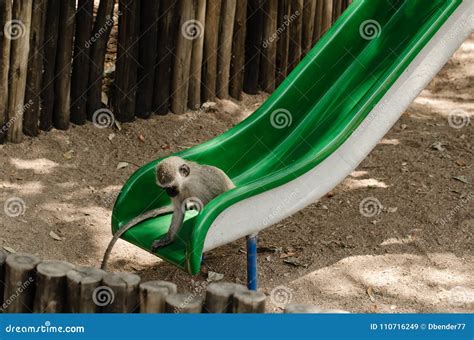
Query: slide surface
321, 104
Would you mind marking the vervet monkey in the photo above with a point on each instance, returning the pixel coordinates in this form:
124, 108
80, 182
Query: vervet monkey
184, 182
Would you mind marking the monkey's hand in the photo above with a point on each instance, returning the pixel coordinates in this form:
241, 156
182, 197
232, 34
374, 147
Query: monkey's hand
161, 243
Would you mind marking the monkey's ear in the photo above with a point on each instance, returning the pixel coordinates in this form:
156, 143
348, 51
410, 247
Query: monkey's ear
184, 170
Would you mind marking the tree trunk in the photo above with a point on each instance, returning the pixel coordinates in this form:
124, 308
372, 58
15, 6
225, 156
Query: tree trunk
102, 27
253, 45
194, 98
294, 53
165, 51
237, 65
327, 16
35, 69
337, 9
318, 21
5, 16
268, 63
211, 43
308, 25
225, 48
126, 65
148, 43
80, 64
49, 63
62, 86
182, 60
19, 30
283, 44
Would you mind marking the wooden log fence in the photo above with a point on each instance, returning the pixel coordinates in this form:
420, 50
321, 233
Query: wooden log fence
30, 285
171, 55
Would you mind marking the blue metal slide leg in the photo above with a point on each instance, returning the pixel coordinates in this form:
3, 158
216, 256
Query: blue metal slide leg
252, 281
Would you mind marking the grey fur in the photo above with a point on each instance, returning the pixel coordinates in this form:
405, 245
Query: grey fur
202, 184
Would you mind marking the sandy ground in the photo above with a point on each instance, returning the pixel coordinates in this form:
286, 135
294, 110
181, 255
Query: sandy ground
416, 255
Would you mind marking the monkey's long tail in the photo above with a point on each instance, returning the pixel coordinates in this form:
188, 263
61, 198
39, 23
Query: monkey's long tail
130, 225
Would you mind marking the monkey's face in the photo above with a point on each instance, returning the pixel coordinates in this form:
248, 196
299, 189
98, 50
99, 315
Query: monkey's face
170, 175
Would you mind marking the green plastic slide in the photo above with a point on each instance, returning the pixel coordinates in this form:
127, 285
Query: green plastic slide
314, 111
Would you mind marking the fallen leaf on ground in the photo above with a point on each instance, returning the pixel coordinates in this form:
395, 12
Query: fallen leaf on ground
370, 293
213, 276
286, 255
438, 146
122, 165
68, 155
55, 236
10, 250
294, 262
461, 179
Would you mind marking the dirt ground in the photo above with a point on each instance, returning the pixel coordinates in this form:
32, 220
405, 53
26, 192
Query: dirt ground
416, 255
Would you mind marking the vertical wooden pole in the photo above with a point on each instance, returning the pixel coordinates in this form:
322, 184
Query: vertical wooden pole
253, 45
318, 21
80, 64
49, 63
125, 84
20, 275
153, 296
51, 287
224, 55
219, 297
294, 53
62, 85
194, 98
124, 294
5, 16
237, 65
165, 51
148, 43
283, 44
337, 10
183, 304
269, 50
249, 302
82, 285
3, 258
309, 12
211, 41
35, 69
327, 16
182, 60
19, 30
102, 27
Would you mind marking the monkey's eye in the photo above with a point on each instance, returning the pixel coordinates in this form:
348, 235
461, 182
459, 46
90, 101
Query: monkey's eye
184, 170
